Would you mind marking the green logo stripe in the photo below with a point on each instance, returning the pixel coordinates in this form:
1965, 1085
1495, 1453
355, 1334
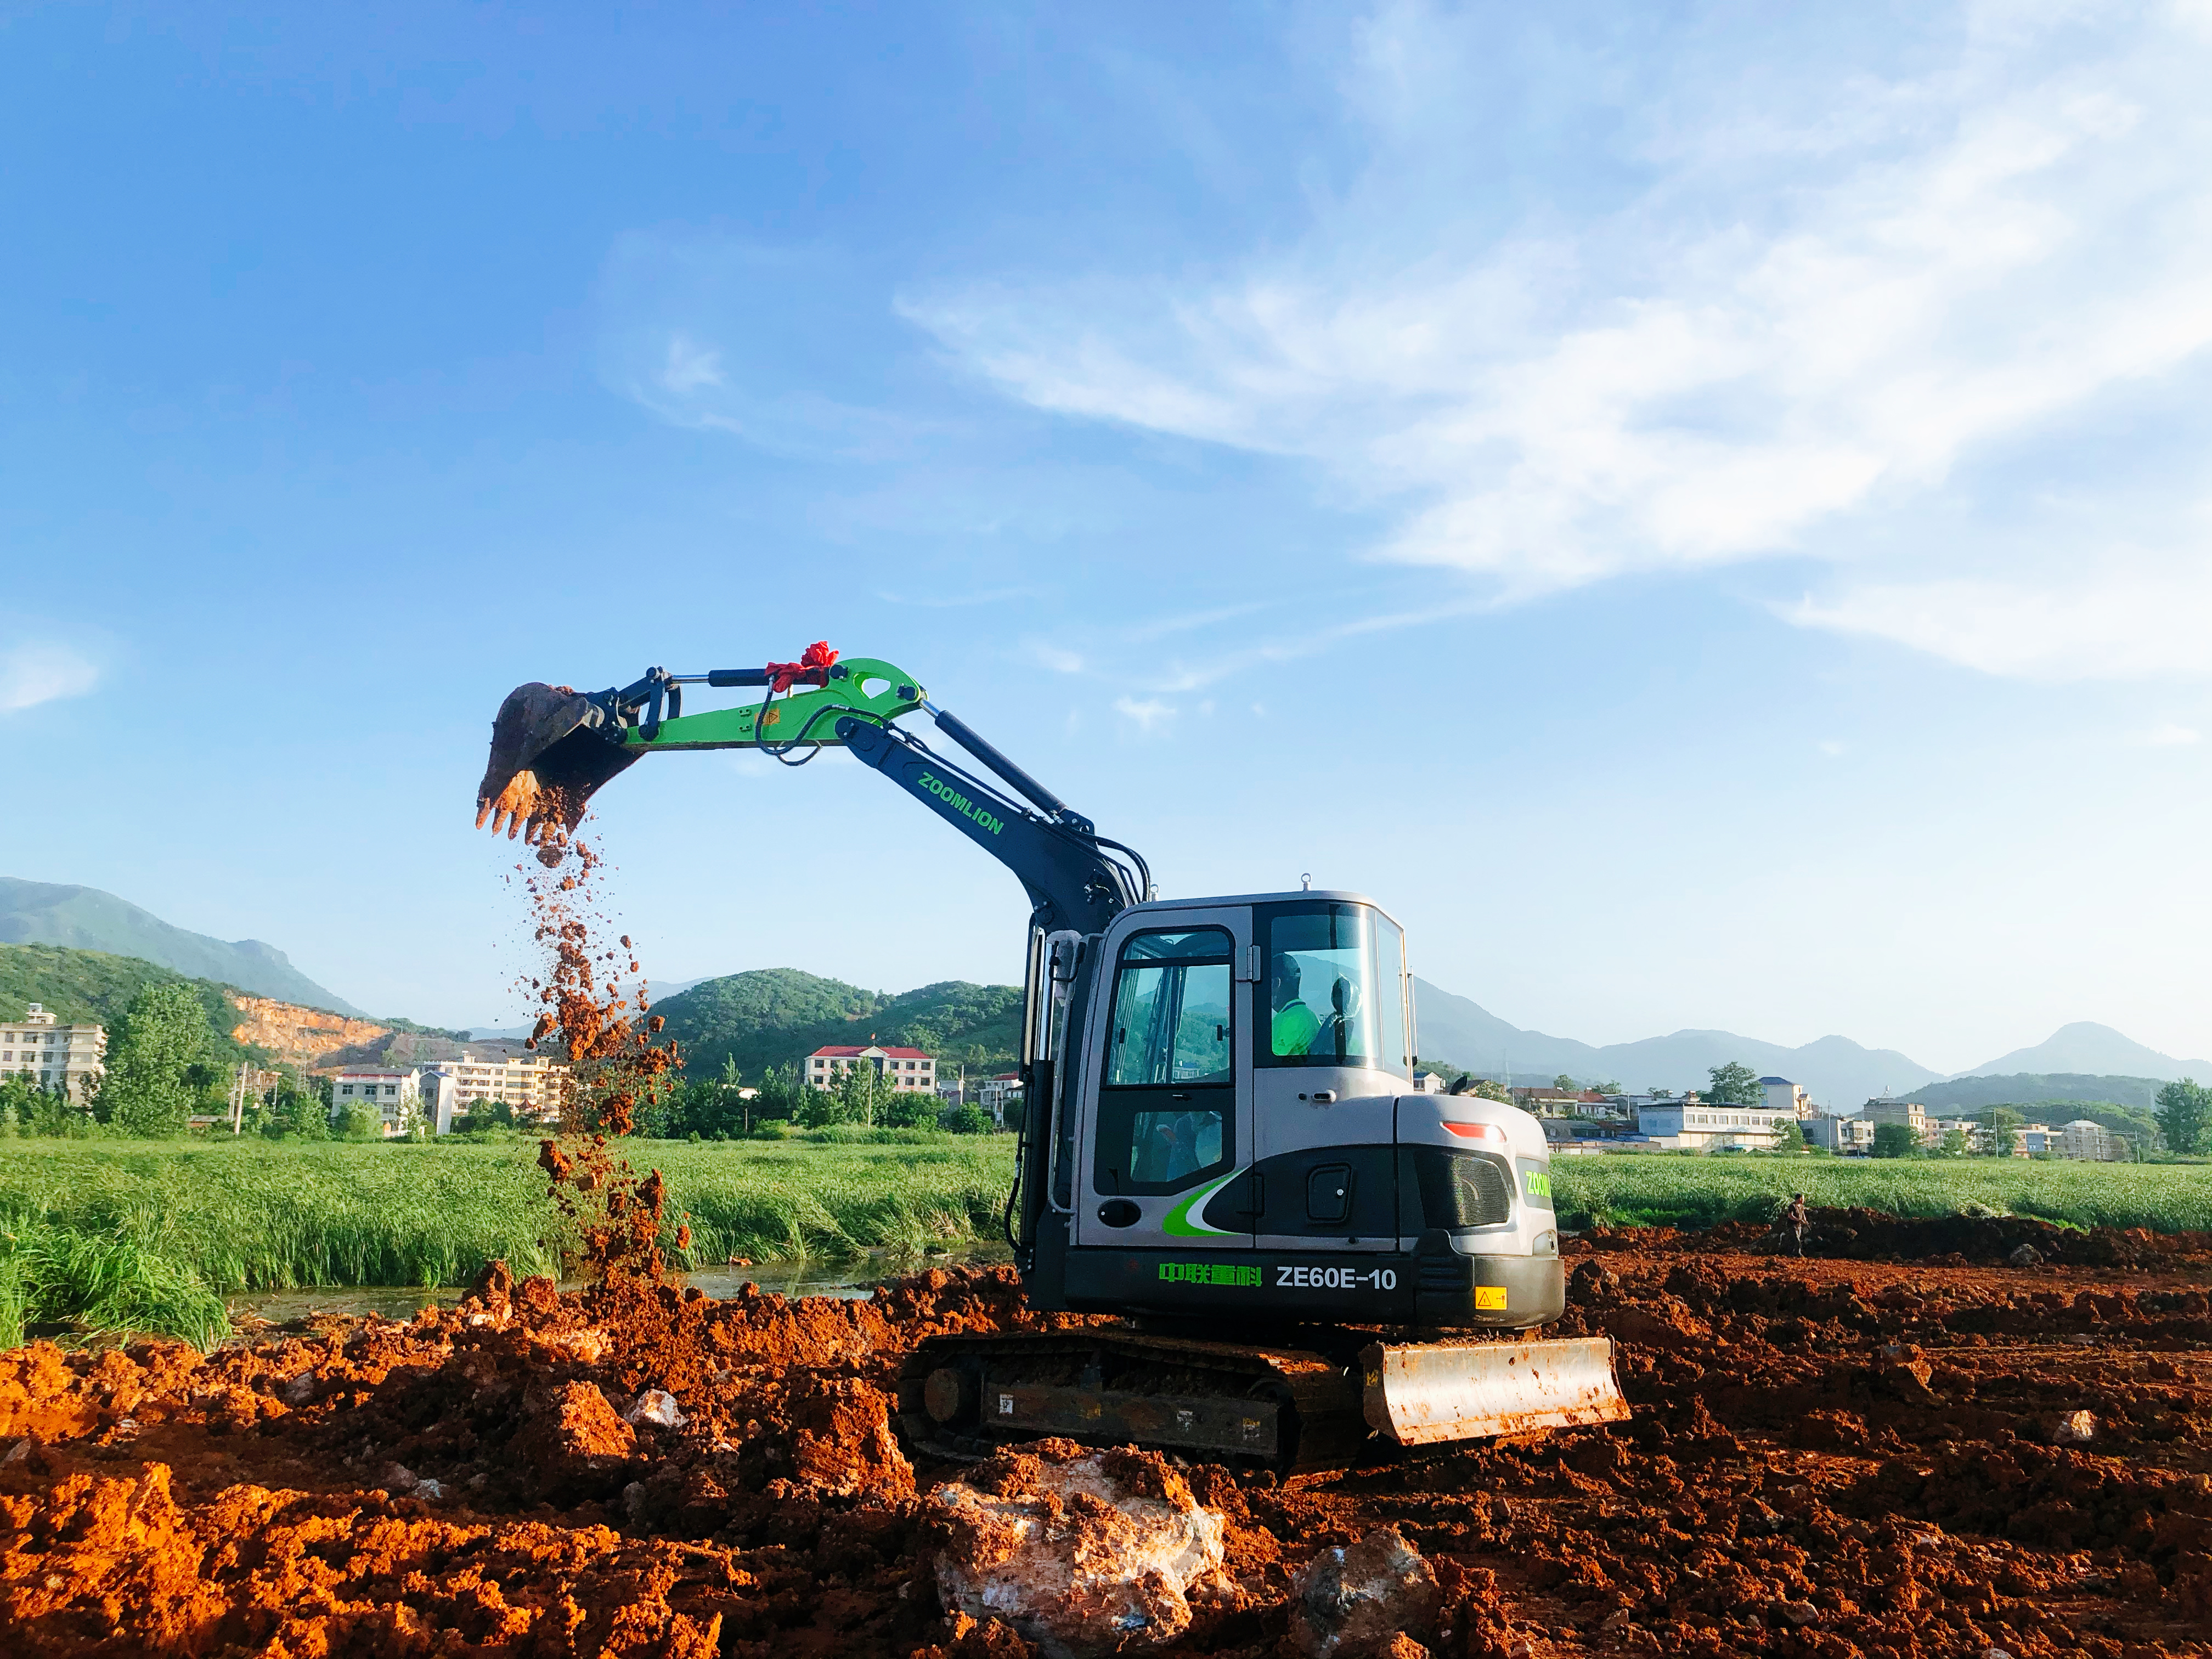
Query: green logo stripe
1180, 1220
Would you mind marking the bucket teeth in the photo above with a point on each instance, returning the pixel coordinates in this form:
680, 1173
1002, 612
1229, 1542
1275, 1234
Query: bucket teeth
550, 751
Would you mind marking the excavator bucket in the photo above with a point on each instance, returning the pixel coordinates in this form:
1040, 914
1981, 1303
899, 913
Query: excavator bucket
550, 748
1419, 1394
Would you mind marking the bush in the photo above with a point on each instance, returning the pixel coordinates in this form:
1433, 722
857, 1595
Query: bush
356, 1121
1894, 1140
484, 1115
968, 1120
910, 1110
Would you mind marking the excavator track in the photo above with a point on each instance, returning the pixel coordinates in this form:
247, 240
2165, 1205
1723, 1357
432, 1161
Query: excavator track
1293, 1410
1287, 1409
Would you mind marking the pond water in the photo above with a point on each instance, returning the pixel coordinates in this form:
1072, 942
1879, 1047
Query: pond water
855, 1278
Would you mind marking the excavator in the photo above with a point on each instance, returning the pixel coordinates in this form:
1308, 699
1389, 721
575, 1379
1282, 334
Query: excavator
1222, 1145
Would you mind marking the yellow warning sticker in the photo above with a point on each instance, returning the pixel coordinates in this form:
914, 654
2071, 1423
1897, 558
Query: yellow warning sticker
1490, 1297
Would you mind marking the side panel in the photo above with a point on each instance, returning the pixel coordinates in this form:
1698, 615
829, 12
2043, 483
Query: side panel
1293, 1286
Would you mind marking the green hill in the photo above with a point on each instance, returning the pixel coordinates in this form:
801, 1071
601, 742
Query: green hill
94, 987
775, 1016
2022, 1089
86, 919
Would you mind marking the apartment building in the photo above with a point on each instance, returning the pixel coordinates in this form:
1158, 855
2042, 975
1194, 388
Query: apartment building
531, 1086
904, 1068
67, 1060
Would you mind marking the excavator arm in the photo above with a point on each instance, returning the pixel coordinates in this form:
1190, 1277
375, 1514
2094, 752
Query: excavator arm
553, 747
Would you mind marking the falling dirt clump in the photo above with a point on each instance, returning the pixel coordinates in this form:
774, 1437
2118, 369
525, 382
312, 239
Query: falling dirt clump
616, 1067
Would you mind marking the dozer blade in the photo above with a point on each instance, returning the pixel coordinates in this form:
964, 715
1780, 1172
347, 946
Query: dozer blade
1419, 1394
550, 748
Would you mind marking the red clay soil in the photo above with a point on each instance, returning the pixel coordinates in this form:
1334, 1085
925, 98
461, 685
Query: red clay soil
1827, 1457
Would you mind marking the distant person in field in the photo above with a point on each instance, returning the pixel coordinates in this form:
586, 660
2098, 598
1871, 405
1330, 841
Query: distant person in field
1795, 1224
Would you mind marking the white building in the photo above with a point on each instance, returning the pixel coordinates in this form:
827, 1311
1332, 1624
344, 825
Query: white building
903, 1068
1839, 1134
397, 1096
2093, 1142
994, 1094
529, 1085
1702, 1125
62, 1059
1786, 1099
1428, 1083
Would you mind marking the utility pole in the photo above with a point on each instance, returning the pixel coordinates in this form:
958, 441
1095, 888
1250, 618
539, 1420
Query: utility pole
238, 1099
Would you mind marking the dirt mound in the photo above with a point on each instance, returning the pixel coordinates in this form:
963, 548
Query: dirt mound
1827, 1457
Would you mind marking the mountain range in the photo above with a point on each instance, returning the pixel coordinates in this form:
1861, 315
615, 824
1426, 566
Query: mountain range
86, 919
1454, 1030
1836, 1070
2085, 1047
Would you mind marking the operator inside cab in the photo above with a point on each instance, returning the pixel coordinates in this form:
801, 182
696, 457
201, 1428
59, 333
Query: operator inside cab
1295, 1024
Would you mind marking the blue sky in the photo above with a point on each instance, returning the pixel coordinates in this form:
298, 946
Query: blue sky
1704, 515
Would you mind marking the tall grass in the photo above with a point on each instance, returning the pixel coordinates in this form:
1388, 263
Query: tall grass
252, 1216
103, 1282
1664, 1189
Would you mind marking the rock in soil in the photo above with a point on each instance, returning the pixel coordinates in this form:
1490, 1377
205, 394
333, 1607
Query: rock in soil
1351, 1601
1082, 1552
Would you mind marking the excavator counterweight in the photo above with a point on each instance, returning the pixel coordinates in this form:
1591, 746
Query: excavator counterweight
1222, 1145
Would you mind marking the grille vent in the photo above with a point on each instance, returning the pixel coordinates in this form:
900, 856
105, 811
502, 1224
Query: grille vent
1481, 1194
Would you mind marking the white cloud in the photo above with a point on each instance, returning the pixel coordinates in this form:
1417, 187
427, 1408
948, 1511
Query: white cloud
689, 367
2170, 736
32, 674
1819, 316
1147, 714
2123, 619
1053, 657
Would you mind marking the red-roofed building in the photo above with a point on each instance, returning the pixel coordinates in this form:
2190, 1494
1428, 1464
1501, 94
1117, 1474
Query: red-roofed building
904, 1068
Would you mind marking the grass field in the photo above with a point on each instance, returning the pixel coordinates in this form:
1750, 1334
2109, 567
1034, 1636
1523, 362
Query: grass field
151, 1237
1699, 1192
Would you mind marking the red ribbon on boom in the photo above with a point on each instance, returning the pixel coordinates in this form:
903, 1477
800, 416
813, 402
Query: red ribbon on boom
813, 668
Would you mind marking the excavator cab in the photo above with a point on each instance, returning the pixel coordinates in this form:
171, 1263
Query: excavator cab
1229, 1150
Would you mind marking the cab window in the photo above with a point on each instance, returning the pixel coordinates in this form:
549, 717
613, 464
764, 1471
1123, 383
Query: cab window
1335, 988
1164, 1102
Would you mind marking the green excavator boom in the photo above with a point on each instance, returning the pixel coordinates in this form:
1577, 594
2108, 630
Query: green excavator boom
553, 747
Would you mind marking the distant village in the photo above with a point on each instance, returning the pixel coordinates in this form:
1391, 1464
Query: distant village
533, 1089
70, 1059
1586, 1121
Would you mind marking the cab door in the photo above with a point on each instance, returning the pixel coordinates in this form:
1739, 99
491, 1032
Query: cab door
1169, 1114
